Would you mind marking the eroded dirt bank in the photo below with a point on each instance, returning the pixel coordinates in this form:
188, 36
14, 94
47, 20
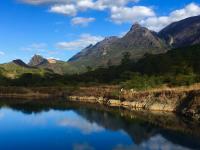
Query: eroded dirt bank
183, 100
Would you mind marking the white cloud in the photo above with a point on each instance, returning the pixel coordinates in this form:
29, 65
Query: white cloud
85, 4
103, 4
121, 11
81, 124
83, 41
130, 14
2, 53
82, 5
39, 2
71, 7
158, 22
68, 9
82, 21
155, 142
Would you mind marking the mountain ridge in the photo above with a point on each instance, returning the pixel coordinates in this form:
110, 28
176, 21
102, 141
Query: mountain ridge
182, 33
138, 41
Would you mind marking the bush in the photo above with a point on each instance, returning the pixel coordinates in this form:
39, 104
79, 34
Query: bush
142, 82
183, 80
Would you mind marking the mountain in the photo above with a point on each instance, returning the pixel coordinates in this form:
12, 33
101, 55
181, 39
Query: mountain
180, 66
182, 33
37, 60
95, 50
17, 68
20, 63
57, 66
138, 41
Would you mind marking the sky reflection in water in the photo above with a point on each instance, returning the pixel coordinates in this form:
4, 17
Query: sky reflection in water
71, 129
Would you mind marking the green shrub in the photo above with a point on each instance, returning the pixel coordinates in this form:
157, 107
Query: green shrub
142, 82
182, 80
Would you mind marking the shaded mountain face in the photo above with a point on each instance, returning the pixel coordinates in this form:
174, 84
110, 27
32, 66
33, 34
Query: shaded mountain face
83, 53
37, 60
19, 62
98, 50
57, 66
138, 41
183, 33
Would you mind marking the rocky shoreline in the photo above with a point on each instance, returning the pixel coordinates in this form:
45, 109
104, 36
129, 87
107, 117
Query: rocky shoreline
183, 101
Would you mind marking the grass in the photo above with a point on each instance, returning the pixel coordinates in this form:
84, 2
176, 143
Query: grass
12, 70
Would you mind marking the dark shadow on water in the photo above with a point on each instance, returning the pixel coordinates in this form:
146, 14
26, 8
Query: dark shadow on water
140, 126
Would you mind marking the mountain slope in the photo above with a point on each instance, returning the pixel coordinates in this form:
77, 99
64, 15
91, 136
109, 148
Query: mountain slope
179, 66
17, 67
95, 50
182, 33
57, 66
138, 41
37, 60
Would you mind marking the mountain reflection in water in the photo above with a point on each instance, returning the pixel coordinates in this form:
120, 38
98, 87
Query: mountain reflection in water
57, 124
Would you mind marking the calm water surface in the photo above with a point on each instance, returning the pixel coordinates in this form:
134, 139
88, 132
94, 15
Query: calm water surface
29, 126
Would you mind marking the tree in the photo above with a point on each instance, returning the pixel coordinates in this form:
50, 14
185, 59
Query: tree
89, 68
109, 63
126, 59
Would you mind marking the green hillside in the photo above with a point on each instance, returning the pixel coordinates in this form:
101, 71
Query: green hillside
179, 66
12, 70
175, 68
60, 67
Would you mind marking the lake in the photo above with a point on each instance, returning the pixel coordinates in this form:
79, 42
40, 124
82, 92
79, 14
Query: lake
60, 125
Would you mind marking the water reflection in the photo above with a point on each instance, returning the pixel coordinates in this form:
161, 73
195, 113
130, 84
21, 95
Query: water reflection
50, 124
80, 123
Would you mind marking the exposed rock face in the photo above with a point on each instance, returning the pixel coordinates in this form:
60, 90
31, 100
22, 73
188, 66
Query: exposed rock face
93, 55
52, 61
94, 51
185, 102
142, 39
183, 33
138, 41
190, 107
83, 53
98, 50
37, 60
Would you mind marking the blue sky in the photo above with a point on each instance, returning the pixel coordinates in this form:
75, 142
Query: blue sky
61, 28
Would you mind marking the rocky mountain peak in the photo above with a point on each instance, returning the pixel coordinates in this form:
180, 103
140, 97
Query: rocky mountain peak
136, 26
37, 60
138, 41
138, 31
